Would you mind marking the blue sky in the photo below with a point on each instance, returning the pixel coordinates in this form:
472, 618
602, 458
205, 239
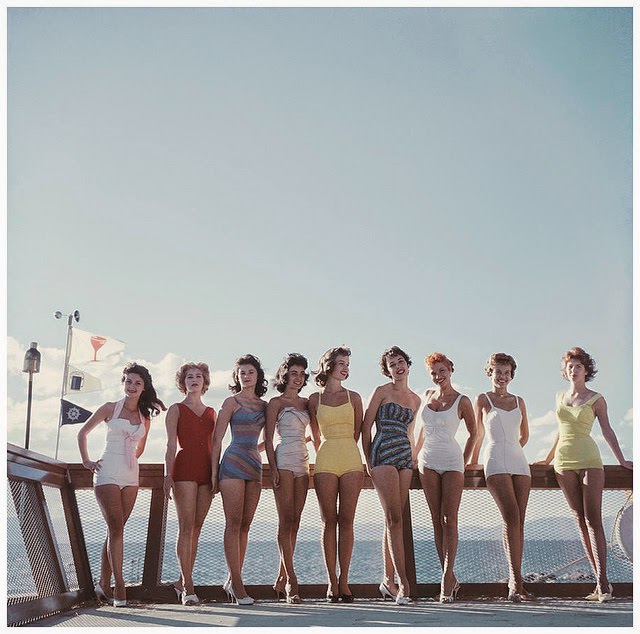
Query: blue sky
201, 183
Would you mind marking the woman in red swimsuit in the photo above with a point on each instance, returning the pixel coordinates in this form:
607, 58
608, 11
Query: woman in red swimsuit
188, 474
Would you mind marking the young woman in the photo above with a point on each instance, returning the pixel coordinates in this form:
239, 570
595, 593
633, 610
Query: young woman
577, 460
392, 407
115, 474
239, 475
288, 415
441, 463
506, 469
188, 474
336, 421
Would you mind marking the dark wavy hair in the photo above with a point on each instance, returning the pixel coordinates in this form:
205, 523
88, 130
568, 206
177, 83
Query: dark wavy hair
149, 404
327, 362
282, 375
500, 357
438, 357
584, 357
394, 351
261, 383
181, 375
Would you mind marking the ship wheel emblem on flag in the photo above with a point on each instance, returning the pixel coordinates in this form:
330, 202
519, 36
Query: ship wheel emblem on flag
73, 414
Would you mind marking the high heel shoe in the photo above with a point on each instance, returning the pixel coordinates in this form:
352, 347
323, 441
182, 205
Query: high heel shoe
291, 598
346, 598
514, 597
178, 592
331, 598
189, 599
119, 603
452, 597
280, 594
225, 587
239, 600
100, 593
385, 592
401, 599
603, 597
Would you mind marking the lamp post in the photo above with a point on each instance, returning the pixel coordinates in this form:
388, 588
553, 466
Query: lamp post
32, 366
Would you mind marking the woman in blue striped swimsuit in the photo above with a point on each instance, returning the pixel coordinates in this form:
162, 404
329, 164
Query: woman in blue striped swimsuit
239, 475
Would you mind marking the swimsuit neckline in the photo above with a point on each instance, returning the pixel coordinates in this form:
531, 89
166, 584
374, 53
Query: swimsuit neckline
398, 404
198, 415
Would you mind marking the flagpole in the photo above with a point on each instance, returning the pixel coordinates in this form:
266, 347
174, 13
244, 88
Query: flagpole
65, 374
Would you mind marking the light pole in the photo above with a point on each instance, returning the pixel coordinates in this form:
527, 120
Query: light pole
67, 352
32, 366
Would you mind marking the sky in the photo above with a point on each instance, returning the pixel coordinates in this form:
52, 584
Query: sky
202, 183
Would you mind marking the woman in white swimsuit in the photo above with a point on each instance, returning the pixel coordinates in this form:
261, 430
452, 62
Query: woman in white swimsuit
441, 463
506, 469
288, 418
115, 474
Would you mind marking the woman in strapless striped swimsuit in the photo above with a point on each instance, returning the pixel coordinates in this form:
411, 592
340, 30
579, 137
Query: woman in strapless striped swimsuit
506, 469
336, 421
578, 465
239, 475
288, 418
392, 408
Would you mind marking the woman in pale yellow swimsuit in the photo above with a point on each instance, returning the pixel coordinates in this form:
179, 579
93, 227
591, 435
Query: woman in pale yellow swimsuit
578, 465
336, 420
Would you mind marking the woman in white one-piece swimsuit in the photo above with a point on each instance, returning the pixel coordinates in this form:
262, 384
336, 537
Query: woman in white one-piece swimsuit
441, 463
115, 474
288, 419
506, 470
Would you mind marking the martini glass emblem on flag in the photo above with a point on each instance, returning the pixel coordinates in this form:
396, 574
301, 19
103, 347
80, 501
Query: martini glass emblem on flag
96, 343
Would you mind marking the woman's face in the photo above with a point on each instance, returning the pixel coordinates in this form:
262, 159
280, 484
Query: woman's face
501, 375
247, 376
397, 366
194, 380
575, 370
295, 377
133, 385
440, 373
340, 370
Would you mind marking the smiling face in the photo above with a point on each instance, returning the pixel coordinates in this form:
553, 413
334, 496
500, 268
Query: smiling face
440, 374
247, 376
133, 385
500, 375
340, 370
397, 366
296, 376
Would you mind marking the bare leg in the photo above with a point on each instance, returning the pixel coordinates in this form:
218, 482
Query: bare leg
326, 486
432, 486
116, 505
452, 485
592, 486
508, 497
350, 486
392, 486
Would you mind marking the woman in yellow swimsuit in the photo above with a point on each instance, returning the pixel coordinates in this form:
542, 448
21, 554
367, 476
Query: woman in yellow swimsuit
335, 420
578, 465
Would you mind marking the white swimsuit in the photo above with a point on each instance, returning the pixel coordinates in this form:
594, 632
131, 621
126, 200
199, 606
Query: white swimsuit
118, 464
503, 453
291, 450
440, 450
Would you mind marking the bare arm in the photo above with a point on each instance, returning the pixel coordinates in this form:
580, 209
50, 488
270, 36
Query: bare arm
99, 416
551, 454
143, 441
357, 415
481, 404
171, 425
273, 409
369, 419
524, 424
600, 410
466, 413
226, 411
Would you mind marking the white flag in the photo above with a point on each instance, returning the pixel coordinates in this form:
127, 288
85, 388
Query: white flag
89, 348
80, 381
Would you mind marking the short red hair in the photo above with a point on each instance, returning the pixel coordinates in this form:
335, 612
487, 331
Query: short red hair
438, 357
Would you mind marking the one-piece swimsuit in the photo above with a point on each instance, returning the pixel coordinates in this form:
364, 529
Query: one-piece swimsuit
391, 444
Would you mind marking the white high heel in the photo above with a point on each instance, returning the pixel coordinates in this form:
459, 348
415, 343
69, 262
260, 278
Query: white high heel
189, 599
100, 593
385, 592
240, 601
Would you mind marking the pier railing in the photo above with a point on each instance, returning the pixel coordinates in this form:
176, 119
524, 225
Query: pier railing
55, 531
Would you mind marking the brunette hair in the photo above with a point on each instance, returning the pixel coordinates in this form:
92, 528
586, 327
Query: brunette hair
438, 357
584, 357
500, 357
327, 362
394, 351
181, 374
148, 404
261, 383
282, 374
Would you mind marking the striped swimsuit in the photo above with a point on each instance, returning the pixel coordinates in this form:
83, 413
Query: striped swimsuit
391, 445
241, 460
